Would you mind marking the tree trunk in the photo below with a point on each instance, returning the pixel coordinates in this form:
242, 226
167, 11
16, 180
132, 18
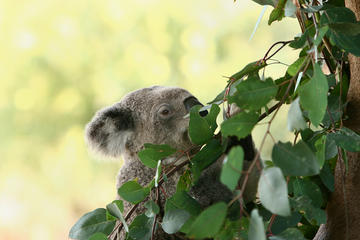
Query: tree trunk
343, 209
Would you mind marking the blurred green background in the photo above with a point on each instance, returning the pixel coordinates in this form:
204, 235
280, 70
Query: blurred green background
60, 61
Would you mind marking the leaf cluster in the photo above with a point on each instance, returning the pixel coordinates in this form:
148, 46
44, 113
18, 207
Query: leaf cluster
294, 185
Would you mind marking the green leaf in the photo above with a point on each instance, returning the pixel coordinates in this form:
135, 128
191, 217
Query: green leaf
211, 117
295, 120
184, 182
141, 228
131, 191
232, 167
174, 219
202, 227
337, 14
320, 145
290, 233
152, 153
297, 160
281, 223
98, 236
91, 223
321, 34
295, 66
335, 109
290, 9
151, 209
347, 139
266, 2
273, 191
253, 93
256, 230
253, 67
344, 29
207, 155
331, 149
327, 177
181, 200
314, 215
305, 187
240, 125
299, 42
115, 209
313, 96
199, 129
278, 12
230, 230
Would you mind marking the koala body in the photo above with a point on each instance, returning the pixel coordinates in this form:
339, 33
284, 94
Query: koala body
151, 115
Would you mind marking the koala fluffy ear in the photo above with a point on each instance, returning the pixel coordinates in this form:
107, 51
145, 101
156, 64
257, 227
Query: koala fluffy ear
109, 130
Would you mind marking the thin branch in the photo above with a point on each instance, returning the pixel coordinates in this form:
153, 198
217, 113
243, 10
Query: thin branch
156, 215
284, 43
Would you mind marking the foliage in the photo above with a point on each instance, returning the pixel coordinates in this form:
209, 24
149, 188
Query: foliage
294, 186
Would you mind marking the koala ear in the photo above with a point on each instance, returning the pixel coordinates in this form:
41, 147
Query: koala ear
109, 130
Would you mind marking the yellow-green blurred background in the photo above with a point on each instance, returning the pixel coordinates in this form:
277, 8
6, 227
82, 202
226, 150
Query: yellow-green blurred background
60, 61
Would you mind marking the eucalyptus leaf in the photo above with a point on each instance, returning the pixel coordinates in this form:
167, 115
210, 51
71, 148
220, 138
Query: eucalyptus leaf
174, 219
91, 223
202, 227
253, 93
313, 214
347, 139
133, 192
99, 236
200, 130
251, 68
232, 167
207, 155
320, 145
289, 234
344, 29
240, 125
295, 120
294, 68
297, 160
273, 191
256, 229
281, 223
151, 209
152, 153
327, 177
211, 117
141, 228
305, 187
315, 91
266, 2
290, 9
116, 208
182, 200
278, 12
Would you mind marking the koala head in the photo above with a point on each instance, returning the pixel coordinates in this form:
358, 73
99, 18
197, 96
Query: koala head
149, 115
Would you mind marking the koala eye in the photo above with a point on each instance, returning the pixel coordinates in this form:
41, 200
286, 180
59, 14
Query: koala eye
165, 111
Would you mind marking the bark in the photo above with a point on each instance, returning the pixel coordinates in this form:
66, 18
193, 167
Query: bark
343, 209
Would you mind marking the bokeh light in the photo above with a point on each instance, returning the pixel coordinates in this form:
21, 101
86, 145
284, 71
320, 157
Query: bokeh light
60, 61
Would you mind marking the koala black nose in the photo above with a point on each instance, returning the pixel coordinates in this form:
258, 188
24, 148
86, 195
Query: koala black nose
192, 101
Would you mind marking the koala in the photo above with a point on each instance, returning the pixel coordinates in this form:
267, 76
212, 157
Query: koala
154, 115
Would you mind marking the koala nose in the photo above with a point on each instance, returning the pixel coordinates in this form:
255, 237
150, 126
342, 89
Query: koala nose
192, 101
